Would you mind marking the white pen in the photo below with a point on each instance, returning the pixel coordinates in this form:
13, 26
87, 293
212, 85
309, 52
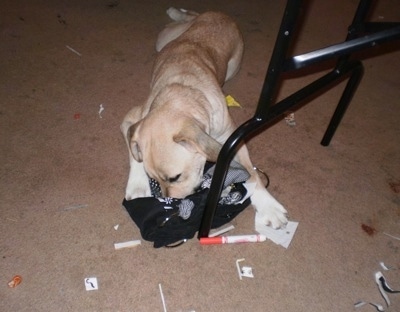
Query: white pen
233, 239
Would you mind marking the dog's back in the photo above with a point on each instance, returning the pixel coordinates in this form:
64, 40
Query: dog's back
212, 39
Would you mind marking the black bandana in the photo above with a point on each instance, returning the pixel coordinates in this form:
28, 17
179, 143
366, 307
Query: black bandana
166, 220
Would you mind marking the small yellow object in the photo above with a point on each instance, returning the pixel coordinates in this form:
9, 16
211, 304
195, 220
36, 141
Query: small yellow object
231, 102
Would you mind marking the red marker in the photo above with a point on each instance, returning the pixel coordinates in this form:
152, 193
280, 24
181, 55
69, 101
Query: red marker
232, 239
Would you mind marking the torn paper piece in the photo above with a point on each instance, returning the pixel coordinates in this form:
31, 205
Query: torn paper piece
380, 280
289, 118
281, 237
101, 109
231, 102
222, 231
128, 244
384, 287
91, 283
73, 50
245, 271
116, 227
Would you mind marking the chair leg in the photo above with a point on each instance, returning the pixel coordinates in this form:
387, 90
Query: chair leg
292, 11
343, 104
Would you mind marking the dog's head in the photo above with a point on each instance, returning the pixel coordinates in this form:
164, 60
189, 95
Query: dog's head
174, 154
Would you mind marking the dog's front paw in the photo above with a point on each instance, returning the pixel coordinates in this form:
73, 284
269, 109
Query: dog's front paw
133, 191
268, 210
138, 183
274, 216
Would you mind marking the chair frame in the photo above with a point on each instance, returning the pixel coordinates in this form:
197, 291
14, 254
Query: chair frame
361, 35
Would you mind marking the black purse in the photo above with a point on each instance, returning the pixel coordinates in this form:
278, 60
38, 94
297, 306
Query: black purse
165, 220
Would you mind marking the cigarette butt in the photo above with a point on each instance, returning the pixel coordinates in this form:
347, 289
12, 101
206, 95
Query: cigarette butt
128, 244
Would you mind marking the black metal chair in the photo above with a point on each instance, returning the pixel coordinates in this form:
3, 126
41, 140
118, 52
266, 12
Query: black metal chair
361, 35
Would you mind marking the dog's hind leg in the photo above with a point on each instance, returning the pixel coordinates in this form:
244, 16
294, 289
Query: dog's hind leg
234, 62
183, 19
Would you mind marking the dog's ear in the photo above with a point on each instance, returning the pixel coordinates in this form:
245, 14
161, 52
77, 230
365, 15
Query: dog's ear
134, 146
129, 130
193, 138
136, 152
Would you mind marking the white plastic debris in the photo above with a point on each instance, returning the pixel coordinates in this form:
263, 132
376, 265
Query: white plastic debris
162, 298
116, 227
384, 288
244, 271
222, 231
128, 244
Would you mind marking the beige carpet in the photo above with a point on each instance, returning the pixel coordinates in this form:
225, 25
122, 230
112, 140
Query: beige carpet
64, 169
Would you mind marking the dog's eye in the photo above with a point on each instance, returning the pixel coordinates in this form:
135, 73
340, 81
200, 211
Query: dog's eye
174, 179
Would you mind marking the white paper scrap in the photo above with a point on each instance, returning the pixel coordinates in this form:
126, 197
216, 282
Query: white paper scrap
101, 109
245, 271
91, 283
380, 281
128, 244
281, 237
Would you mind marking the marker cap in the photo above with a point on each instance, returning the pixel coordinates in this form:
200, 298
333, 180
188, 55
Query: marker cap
210, 240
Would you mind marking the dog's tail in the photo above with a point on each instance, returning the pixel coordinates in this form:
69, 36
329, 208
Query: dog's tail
181, 15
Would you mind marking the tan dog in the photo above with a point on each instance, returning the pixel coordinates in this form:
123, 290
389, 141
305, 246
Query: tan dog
185, 120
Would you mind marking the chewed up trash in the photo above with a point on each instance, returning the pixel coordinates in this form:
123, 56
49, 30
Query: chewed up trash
16, 280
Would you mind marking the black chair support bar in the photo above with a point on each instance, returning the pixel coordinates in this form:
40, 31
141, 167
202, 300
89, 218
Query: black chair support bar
361, 35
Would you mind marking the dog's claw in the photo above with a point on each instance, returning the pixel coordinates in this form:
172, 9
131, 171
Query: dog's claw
275, 219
